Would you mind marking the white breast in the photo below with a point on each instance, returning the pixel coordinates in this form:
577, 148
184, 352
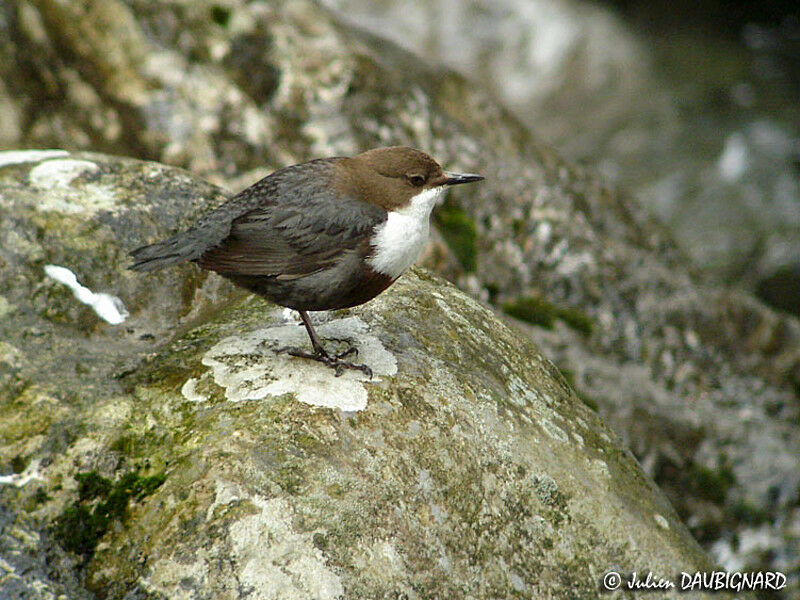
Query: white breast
398, 242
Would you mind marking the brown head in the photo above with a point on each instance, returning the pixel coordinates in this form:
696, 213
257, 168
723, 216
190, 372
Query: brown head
390, 177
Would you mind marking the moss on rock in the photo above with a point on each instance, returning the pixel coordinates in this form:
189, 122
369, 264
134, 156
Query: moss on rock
100, 503
459, 231
536, 310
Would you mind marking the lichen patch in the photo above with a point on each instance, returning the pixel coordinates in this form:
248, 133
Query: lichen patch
252, 366
60, 172
278, 561
189, 391
15, 157
66, 195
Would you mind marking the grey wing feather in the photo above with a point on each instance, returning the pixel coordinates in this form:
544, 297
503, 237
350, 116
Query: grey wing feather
294, 238
188, 245
280, 225
209, 231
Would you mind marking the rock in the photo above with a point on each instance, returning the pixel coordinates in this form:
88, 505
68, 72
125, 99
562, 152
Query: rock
215, 467
697, 380
31, 565
697, 121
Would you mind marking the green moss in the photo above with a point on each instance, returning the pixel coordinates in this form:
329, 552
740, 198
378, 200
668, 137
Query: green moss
711, 484
538, 311
40, 496
320, 541
576, 319
100, 503
290, 477
334, 491
125, 444
744, 512
78, 529
460, 233
18, 464
91, 485
221, 15
533, 310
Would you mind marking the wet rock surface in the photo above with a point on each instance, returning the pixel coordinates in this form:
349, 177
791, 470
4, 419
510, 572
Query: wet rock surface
699, 381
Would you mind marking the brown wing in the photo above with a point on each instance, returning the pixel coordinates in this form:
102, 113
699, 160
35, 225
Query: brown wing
308, 231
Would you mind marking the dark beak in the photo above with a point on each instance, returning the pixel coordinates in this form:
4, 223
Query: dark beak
457, 178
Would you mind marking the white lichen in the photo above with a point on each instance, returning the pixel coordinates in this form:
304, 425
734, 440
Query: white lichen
276, 561
177, 579
15, 157
251, 367
57, 178
553, 430
189, 391
60, 173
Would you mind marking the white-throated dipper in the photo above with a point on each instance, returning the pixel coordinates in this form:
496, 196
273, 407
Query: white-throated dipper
322, 235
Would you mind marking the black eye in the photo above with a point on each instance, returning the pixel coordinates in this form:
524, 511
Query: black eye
416, 180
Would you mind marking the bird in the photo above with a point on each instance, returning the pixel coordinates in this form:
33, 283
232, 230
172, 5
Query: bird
327, 234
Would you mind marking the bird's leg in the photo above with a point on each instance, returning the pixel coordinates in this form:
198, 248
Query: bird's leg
320, 354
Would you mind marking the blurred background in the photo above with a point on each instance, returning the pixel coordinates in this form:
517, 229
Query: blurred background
693, 107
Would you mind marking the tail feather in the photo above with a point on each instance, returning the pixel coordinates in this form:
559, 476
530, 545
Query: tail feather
163, 254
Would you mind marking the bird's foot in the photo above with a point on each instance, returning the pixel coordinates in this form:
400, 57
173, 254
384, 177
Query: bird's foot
351, 350
334, 361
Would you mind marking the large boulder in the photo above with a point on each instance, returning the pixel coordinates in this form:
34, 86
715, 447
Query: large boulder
177, 453
700, 382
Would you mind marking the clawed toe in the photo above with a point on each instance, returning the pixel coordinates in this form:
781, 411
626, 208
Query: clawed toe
356, 367
348, 352
288, 350
335, 362
339, 365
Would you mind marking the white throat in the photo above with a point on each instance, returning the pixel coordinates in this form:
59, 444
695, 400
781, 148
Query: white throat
398, 241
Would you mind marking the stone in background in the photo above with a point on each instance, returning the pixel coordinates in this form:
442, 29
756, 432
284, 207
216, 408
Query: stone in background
695, 116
